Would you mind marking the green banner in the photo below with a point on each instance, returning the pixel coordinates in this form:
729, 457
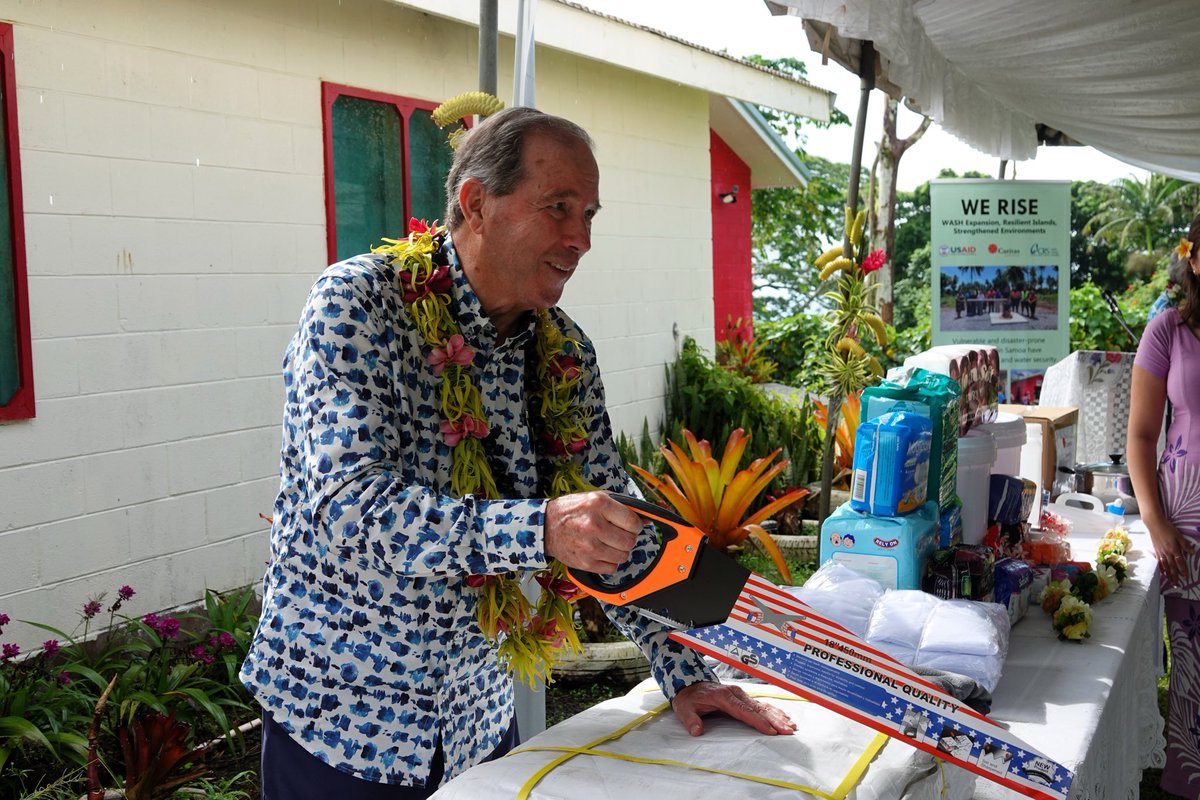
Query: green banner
1001, 268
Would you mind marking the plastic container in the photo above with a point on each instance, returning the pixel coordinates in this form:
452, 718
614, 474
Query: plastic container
976, 455
1009, 432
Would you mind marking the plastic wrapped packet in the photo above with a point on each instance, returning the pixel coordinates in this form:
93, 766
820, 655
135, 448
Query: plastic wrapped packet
899, 617
891, 464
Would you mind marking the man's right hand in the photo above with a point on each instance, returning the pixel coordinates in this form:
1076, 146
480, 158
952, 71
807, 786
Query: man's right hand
590, 531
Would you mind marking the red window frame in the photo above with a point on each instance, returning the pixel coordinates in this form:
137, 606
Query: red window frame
404, 107
21, 405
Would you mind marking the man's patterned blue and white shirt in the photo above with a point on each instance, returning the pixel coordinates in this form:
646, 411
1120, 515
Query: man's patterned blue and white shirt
367, 650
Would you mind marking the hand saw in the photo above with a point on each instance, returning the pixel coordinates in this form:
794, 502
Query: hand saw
719, 608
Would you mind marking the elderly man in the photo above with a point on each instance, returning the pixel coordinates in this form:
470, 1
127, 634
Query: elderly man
374, 673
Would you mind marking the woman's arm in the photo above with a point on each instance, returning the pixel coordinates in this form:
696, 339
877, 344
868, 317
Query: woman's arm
1147, 401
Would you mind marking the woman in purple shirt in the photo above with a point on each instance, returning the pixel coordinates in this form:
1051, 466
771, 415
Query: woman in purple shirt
1168, 491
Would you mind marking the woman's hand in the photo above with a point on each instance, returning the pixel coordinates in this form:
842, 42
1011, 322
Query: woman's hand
1172, 550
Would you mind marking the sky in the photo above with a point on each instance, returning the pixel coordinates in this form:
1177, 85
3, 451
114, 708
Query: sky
745, 27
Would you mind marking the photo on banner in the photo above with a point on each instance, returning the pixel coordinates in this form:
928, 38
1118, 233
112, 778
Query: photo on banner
1001, 255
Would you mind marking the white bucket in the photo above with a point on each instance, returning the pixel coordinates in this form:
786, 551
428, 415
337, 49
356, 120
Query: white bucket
976, 455
1009, 433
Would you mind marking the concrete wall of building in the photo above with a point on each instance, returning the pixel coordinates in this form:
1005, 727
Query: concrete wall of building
174, 215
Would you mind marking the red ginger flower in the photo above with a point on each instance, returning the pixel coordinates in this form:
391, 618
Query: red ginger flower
559, 586
564, 366
874, 261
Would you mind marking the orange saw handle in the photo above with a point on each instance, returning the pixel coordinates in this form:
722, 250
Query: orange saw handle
674, 562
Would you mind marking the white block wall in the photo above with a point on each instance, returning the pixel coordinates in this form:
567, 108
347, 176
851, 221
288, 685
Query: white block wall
174, 211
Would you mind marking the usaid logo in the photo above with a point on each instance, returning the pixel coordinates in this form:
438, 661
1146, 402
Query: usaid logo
1042, 250
886, 544
956, 250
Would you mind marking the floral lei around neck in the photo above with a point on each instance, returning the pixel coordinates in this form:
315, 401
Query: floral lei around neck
534, 634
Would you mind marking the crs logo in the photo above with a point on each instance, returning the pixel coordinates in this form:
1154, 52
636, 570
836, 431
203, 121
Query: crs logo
947, 250
886, 544
1042, 250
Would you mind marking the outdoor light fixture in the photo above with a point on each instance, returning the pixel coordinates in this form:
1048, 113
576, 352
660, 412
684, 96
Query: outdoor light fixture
730, 196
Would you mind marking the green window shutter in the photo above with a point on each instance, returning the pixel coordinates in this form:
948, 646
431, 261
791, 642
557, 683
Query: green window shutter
368, 175
429, 164
10, 365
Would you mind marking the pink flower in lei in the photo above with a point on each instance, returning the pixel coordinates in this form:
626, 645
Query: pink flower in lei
874, 261
456, 351
453, 432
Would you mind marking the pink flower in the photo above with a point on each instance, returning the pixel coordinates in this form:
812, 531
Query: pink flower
91, 608
475, 581
125, 592
4, 620
9, 651
50, 648
453, 432
225, 640
874, 261
202, 655
168, 627
64, 678
456, 351
418, 225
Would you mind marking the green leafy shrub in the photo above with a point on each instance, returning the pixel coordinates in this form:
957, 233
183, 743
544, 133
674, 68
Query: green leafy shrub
712, 402
179, 666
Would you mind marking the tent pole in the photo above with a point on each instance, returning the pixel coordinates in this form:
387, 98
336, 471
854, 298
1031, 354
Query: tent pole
866, 74
489, 35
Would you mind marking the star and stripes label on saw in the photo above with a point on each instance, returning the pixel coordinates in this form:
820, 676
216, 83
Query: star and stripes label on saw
776, 637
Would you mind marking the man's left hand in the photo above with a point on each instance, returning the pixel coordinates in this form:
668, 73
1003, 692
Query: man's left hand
694, 701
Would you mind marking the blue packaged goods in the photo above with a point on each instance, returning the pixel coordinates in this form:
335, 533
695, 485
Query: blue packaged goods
1013, 586
890, 550
1004, 498
950, 529
936, 397
891, 464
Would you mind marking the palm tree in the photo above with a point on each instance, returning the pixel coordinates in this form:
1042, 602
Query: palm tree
1145, 212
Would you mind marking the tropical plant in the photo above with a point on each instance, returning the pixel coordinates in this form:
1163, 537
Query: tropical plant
716, 496
740, 353
848, 367
183, 667
1144, 214
846, 429
159, 755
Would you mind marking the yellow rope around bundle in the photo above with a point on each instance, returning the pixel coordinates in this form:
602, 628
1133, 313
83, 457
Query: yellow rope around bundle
843, 789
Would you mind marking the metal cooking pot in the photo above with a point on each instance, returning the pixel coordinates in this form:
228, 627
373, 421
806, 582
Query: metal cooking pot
1107, 481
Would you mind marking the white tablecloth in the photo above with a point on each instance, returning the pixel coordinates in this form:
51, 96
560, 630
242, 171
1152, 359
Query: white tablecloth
1090, 706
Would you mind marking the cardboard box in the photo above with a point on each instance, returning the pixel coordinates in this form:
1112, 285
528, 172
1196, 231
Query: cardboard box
1049, 445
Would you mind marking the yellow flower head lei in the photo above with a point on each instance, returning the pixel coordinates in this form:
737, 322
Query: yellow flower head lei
533, 634
1184, 249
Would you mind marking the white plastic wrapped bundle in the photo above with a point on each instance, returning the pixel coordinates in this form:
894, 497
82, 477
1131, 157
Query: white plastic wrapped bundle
899, 617
961, 636
826, 750
840, 593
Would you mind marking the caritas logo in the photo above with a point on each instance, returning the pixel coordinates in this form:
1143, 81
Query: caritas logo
993, 247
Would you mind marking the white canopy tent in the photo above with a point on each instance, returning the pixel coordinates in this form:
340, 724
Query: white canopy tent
1005, 75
